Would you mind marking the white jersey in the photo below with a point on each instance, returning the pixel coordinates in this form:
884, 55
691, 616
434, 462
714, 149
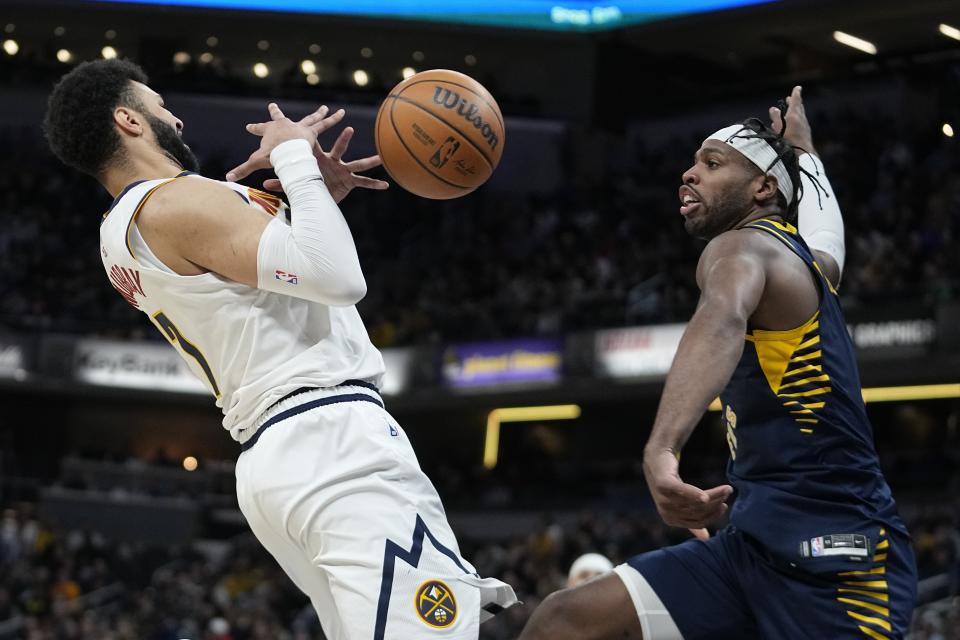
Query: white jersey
249, 347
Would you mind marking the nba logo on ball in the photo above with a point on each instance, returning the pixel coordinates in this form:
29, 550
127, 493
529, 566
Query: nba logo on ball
435, 604
439, 134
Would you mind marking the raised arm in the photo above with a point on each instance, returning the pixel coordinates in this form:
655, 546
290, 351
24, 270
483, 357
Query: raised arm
197, 225
820, 221
731, 277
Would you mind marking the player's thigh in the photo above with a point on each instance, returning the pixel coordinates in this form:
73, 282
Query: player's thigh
290, 556
372, 522
696, 586
399, 577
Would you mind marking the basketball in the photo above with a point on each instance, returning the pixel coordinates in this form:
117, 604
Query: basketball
440, 134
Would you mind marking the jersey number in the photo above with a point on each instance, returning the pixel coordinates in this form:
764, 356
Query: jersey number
176, 338
730, 418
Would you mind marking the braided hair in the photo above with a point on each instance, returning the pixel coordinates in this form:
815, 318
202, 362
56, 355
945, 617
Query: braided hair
787, 154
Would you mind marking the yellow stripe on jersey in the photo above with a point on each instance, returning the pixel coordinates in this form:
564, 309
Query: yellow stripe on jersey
805, 369
775, 349
805, 394
870, 633
882, 597
885, 612
783, 226
798, 383
881, 570
783, 357
814, 355
869, 584
880, 622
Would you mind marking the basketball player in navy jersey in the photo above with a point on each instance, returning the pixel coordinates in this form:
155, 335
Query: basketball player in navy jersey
815, 549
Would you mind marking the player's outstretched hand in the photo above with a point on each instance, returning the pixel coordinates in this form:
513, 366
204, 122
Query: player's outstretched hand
340, 177
681, 504
798, 132
279, 129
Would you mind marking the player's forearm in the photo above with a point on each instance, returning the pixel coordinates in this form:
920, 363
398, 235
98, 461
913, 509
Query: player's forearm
820, 221
319, 238
706, 358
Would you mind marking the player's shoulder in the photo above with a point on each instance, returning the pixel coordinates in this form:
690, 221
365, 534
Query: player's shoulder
194, 195
743, 242
742, 247
190, 197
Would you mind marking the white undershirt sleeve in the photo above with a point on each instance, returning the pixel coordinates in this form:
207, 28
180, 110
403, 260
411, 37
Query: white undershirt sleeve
820, 222
314, 257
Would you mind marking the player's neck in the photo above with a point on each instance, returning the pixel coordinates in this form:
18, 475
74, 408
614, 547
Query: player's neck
759, 214
133, 169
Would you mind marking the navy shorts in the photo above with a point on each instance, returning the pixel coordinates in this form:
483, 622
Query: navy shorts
728, 589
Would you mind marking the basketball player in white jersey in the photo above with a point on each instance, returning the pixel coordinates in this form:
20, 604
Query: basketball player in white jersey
259, 301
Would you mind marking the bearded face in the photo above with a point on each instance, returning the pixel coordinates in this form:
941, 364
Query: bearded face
169, 140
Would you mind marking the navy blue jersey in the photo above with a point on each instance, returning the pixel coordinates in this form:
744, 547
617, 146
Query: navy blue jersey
802, 460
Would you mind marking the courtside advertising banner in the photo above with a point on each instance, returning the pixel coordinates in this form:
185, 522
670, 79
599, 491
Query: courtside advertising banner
134, 365
511, 362
916, 332
637, 352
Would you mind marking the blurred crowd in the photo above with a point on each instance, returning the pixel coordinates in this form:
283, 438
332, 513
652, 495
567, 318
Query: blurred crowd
607, 249
65, 585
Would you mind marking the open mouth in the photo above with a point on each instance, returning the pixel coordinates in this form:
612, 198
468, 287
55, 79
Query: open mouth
689, 202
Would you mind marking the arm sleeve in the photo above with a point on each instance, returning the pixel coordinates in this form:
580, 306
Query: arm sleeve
314, 258
820, 222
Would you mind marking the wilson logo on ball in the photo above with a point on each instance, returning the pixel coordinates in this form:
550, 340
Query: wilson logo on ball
468, 110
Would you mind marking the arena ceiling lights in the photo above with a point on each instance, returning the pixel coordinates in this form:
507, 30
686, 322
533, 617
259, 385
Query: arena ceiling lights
561, 15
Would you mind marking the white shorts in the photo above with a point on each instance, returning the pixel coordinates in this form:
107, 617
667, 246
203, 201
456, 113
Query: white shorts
336, 495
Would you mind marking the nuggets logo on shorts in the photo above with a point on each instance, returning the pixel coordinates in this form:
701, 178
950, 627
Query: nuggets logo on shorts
435, 604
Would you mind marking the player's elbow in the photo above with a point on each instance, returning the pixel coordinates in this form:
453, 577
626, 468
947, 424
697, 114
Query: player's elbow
347, 290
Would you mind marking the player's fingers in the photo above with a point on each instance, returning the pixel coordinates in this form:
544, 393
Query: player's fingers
370, 183
272, 185
257, 128
694, 518
274, 111
700, 534
775, 122
340, 146
720, 493
797, 95
684, 493
256, 161
363, 164
328, 122
313, 118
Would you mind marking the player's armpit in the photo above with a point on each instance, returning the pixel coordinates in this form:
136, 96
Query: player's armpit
195, 225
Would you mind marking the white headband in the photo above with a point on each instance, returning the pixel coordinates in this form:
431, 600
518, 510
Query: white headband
593, 562
759, 152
